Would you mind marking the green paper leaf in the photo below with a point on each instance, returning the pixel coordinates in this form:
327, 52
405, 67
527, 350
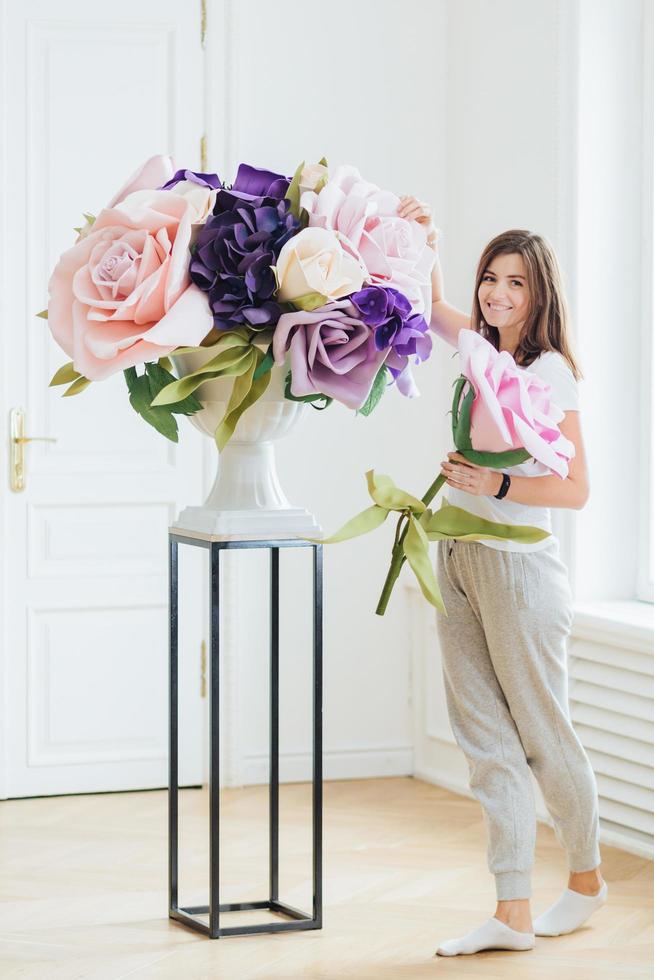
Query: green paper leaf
364, 522
232, 361
246, 392
139, 396
461, 417
377, 390
166, 364
77, 386
511, 457
309, 302
266, 364
293, 193
455, 522
384, 492
323, 162
416, 549
43, 314
65, 375
159, 378
239, 337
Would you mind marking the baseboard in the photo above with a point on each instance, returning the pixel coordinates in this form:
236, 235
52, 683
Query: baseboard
355, 763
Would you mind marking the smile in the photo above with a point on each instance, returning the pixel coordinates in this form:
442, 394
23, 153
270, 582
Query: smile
498, 309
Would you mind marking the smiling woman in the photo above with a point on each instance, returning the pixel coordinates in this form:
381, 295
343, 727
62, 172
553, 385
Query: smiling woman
509, 603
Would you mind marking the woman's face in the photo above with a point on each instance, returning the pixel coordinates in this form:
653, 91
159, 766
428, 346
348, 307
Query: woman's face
504, 294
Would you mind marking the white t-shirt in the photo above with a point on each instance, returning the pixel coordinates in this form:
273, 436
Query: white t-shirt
552, 367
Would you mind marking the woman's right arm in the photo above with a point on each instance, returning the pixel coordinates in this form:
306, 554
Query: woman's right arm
446, 320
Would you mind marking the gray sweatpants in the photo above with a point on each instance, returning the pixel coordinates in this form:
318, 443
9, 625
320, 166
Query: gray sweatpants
504, 653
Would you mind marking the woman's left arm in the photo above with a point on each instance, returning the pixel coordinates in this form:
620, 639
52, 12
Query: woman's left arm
535, 491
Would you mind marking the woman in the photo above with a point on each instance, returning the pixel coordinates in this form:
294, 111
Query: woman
509, 607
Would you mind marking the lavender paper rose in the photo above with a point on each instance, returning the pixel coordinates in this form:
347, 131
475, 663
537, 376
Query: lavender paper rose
332, 352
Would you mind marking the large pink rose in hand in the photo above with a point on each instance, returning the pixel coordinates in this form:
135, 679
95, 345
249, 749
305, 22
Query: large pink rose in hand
122, 294
512, 408
392, 249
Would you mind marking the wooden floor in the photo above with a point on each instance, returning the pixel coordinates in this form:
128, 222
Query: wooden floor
84, 878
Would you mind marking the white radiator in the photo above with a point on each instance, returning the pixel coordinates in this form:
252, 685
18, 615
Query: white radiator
611, 692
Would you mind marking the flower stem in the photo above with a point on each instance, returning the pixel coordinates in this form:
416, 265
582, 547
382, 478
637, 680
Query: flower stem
398, 557
403, 516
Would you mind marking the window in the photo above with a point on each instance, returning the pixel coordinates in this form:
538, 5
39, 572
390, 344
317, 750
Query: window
646, 380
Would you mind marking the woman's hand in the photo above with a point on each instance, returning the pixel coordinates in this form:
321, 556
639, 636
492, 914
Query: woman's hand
414, 210
464, 475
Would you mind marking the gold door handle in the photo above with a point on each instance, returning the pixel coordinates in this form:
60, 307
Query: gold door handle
18, 440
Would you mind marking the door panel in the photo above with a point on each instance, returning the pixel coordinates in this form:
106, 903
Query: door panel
89, 91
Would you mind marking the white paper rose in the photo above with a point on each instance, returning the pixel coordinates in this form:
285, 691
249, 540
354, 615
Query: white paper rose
313, 269
312, 175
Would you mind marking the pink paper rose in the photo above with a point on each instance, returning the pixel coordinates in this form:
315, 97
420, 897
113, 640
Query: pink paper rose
512, 407
392, 249
155, 172
122, 295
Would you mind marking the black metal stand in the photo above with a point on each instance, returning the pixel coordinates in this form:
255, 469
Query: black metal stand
296, 919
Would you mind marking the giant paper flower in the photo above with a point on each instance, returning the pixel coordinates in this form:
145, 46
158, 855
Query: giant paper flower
313, 268
121, 295
509, 408
389, 312
332, 352
392, 249
238, 246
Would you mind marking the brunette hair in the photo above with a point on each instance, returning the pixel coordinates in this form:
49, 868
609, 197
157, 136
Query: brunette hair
547, 323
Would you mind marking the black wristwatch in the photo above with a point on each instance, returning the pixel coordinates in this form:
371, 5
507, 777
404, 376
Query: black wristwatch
504, 489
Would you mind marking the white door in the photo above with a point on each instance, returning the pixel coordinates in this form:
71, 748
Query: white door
89, 90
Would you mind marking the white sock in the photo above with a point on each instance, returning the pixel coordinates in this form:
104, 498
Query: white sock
569, 912
491, 935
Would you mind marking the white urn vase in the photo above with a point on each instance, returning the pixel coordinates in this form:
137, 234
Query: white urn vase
247, 499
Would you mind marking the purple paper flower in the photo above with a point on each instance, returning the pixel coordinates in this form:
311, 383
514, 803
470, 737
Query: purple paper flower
388, 311
253, 184
204, 180
332, 352
238, 245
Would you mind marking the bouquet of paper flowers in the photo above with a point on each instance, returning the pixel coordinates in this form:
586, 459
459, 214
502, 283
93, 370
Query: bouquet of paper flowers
316, 272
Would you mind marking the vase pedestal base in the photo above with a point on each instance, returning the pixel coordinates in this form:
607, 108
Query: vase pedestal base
291, 522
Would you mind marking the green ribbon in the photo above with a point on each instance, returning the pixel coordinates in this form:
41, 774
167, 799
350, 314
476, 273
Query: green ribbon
422, 526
